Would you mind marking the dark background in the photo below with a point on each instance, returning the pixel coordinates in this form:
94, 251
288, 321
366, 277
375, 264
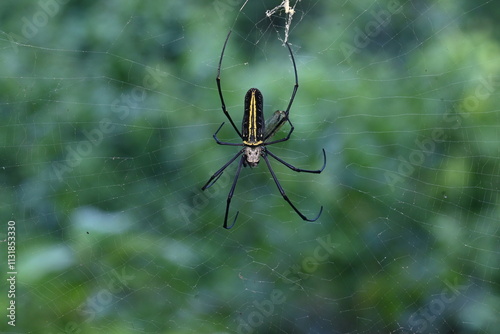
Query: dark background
107, 112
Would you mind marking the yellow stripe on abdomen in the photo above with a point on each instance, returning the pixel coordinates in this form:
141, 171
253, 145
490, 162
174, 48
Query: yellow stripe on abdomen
252, 127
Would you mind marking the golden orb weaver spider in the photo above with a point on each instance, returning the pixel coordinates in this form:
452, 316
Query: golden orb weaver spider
255, 139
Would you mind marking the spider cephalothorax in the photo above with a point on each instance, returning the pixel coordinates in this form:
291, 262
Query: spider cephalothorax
252, 155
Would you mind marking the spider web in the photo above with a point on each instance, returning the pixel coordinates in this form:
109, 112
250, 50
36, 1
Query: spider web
107, 115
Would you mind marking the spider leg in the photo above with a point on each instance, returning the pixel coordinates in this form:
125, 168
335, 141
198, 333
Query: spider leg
295, 169
287, 136
294, 91
296, 86
230, 195
218, 173
283, 194
224, 143
224, 110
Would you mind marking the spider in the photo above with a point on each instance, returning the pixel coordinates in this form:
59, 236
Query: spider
255, 139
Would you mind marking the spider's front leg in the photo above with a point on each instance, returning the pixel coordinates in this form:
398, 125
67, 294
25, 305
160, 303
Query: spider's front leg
221, 142
219, 88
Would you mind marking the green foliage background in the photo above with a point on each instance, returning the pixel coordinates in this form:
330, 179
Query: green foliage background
118, 237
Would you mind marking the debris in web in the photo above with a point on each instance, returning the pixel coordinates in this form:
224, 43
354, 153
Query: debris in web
289, 11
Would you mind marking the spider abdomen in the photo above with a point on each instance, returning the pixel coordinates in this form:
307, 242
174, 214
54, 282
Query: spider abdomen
253, 125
